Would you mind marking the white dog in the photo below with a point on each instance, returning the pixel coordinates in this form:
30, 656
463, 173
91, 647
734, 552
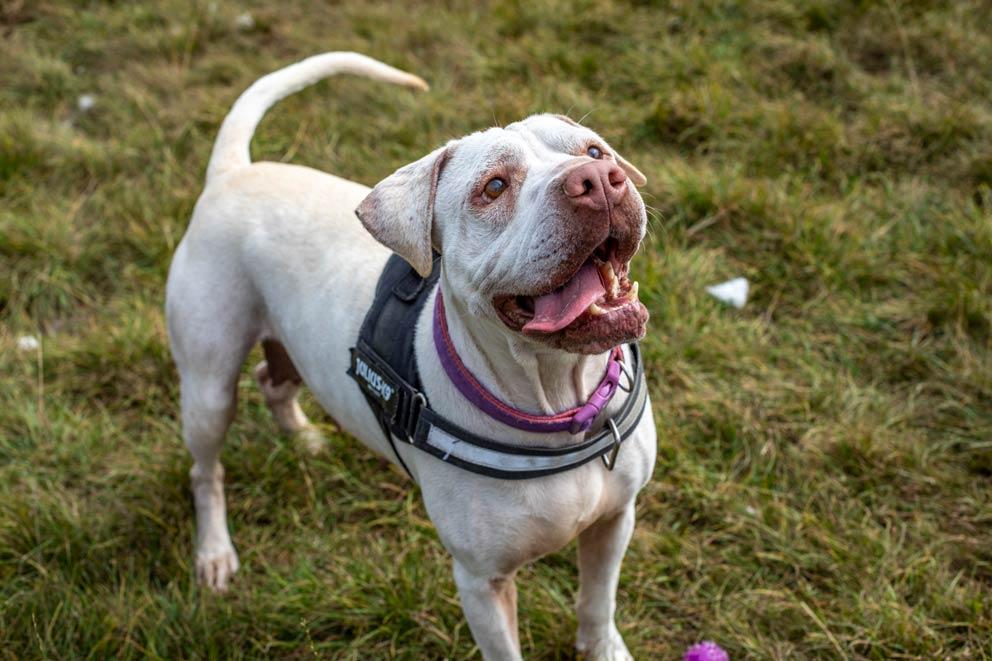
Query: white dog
520, 215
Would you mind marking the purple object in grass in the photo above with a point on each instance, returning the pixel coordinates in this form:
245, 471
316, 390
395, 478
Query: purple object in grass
706, 651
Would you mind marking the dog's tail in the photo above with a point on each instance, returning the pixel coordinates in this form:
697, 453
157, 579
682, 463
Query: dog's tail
232, 147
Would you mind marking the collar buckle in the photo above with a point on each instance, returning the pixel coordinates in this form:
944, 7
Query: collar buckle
584, 416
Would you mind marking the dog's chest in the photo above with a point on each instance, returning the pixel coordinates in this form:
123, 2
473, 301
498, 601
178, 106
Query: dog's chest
515, 522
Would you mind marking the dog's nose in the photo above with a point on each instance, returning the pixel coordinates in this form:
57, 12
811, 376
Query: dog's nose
597, 185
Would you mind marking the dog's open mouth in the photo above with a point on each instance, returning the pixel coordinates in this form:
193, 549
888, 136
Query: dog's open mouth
598, 301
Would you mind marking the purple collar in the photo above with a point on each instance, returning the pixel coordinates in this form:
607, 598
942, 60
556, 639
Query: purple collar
575, 421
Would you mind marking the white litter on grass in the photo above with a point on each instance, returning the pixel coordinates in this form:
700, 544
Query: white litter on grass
28, 343
733, 292
244, 22
86, 102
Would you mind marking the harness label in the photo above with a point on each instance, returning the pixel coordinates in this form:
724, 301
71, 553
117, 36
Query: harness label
374, 381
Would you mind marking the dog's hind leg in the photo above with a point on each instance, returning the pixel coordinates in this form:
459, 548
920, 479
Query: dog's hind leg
210, 337
280, 384
208, 406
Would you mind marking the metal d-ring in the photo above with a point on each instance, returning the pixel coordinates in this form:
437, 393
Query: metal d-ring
630, 379
610, 458
413, 411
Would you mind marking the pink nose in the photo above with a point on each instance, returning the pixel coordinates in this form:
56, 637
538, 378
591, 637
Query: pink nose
596, 185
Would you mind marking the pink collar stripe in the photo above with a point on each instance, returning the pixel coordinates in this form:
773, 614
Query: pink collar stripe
575, 421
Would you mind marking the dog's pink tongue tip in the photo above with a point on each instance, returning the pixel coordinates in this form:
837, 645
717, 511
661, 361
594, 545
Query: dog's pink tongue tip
556, 310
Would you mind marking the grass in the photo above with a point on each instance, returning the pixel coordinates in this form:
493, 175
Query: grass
825, 454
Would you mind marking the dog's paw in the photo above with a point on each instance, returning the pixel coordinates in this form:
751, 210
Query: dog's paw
214, 569
311, 440
605, 648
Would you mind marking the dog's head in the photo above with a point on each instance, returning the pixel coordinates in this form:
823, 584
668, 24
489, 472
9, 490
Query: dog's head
536, 224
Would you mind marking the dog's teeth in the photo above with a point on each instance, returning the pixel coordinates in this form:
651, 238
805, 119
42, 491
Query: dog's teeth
595, 310
606, 268
633, 290
610, 278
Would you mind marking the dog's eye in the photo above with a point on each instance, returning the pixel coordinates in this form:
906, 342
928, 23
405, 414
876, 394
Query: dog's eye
495, 187
595, 152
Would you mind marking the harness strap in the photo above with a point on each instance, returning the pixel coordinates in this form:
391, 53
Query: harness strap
383, 361
359, 355
415, 423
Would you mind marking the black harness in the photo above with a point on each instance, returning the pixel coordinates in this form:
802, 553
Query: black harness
385, 367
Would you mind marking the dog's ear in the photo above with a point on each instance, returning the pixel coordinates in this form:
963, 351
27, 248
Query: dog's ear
399, 212
635, 175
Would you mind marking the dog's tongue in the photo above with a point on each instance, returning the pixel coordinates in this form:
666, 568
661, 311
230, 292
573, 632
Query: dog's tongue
554, 311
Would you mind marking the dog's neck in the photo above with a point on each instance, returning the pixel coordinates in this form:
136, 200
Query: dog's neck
517, 371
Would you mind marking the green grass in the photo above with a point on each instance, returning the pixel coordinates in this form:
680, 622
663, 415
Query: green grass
825, 454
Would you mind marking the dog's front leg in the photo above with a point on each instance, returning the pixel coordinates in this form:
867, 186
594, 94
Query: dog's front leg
490, 605
601, 549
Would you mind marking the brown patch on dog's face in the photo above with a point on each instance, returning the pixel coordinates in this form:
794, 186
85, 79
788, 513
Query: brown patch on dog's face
596, 334
498, 210
582, 230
